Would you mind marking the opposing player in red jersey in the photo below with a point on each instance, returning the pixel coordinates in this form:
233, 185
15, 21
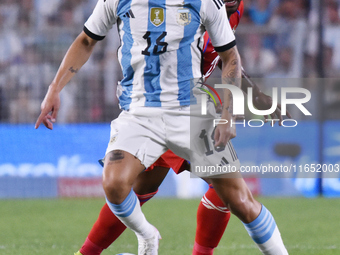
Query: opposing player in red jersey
212, 214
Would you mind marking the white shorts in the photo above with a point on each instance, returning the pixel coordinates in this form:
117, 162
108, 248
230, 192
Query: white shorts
147, 132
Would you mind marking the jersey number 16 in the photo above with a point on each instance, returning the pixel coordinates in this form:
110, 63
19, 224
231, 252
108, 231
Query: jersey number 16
159, 43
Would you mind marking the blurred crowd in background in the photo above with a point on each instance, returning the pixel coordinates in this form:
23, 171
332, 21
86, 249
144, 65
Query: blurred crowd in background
276, 39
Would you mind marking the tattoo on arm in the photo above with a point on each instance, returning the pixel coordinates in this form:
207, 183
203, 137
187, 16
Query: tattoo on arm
230, 107
233, 72
231, 77
72, 70
234, 62
116, 155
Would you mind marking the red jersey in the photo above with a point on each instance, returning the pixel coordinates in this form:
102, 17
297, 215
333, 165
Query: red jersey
210, 56
210, 60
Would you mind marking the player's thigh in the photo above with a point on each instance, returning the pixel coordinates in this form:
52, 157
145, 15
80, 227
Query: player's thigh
206, 159
140, 136
178, 132
191, 137
186, 130
121, 167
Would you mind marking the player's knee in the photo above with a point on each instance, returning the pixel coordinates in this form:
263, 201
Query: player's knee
116, 188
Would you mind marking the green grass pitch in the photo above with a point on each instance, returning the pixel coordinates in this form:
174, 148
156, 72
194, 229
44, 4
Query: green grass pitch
53, 227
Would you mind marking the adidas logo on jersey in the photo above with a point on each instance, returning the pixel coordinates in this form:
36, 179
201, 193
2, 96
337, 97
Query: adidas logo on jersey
129, 14
224, 162
218, 3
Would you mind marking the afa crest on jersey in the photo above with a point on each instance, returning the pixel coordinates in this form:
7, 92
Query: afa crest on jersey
183, 16
157, 16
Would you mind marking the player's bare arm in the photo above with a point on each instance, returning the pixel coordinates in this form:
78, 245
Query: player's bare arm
76, 56
260, 100
231, 74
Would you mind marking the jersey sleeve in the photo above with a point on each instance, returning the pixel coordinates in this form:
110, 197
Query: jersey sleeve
215, 20
102, 19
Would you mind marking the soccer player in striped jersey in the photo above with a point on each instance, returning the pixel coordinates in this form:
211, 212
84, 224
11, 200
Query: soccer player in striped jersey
212, 215
211, 209
160, 57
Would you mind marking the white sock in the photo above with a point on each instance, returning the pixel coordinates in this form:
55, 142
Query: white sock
266, 235
274, 245
129, 212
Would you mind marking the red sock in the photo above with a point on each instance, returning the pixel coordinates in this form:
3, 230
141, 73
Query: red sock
106, 229
212, 220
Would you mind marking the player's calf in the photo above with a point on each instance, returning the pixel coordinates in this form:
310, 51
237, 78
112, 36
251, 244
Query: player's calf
258, 221
106, 229
237, 197
212, 219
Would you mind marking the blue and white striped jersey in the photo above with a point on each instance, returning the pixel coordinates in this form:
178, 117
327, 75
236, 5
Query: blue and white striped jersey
161, 45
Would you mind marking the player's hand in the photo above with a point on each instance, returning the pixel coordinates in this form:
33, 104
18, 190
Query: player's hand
49, 109
264, 102
224, 132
